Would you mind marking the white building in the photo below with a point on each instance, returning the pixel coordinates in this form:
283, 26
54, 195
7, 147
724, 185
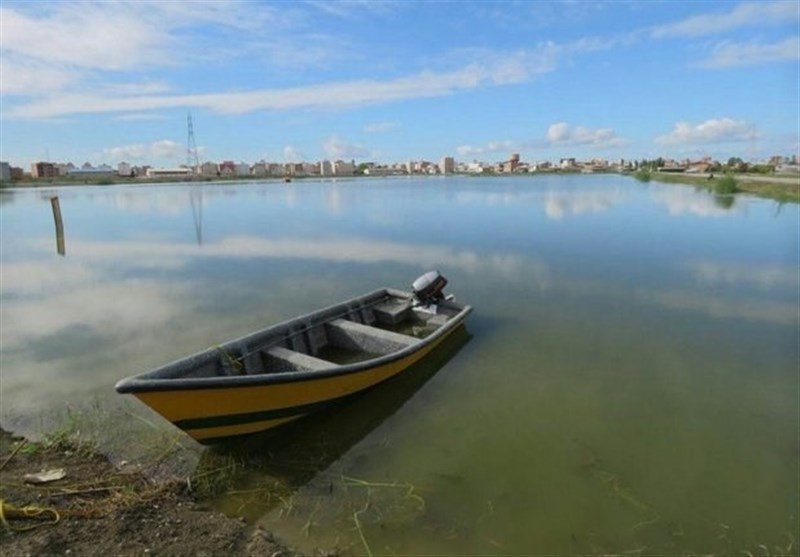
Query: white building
168, 172
326, 168
91, 172
124, 169
259, 168
243, 169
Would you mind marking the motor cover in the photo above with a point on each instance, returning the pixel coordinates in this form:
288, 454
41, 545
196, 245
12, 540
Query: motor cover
429, 287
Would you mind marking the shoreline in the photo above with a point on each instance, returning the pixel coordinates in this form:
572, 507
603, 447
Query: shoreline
97, 509
779, 188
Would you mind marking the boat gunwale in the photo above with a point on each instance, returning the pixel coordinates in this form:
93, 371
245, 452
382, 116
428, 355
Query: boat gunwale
150, 382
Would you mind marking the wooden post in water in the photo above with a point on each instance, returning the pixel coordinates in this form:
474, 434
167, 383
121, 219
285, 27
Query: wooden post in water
60, 245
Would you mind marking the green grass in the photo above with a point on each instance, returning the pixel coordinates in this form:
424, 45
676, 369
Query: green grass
779, 190
725, 185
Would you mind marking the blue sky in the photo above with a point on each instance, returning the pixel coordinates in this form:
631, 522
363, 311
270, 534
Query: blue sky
107, 81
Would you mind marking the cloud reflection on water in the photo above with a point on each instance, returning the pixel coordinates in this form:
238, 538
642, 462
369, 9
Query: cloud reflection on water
763, 277
686, 201
559, 205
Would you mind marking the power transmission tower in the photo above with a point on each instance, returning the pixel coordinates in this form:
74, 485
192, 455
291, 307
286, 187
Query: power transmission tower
192, 161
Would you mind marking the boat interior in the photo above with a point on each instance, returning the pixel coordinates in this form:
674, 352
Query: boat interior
366, 328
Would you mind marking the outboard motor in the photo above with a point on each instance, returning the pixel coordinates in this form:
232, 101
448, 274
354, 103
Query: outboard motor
429, 288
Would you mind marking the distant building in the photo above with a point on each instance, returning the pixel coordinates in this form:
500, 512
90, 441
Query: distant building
168, 172
17, 173
44, 170
243, 169
124, 169
476, 167
293, 169
326, 168
448, 165
259, 169
64, 168
5, 172
227, 168
209, 169
91, 172
342, 168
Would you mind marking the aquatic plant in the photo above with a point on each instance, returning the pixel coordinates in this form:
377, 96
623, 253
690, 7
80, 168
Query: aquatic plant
725, 185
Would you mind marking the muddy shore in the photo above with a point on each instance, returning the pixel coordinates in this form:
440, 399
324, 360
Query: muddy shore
96, 509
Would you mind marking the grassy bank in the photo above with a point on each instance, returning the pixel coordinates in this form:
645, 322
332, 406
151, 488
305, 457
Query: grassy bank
92, 508
779, 188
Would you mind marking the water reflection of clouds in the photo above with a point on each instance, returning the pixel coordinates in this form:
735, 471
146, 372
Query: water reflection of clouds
160, 202
32, 278
683, 201
144, 253
764, 277
39, 306
720, 307
559, 205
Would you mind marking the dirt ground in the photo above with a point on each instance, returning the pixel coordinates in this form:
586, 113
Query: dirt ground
105, 511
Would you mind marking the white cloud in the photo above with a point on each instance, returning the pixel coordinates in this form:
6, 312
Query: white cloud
491, 147
743, 15
24, 77
50, 45
164, 148
140, 117
355, 9
291, 154
717, 130
728, 54
122, 34
562, 133
99, 36
126, 152
348, 93
378, 127
336, 148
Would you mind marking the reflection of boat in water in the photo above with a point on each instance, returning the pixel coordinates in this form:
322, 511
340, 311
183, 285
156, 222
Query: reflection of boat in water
285, 459
299, 367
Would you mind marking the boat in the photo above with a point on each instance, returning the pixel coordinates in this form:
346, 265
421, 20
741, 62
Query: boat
276, 375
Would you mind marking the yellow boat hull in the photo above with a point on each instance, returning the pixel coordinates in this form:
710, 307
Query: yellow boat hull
212, 414
284, 372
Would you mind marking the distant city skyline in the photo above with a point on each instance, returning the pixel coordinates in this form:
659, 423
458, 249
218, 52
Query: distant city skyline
108, 82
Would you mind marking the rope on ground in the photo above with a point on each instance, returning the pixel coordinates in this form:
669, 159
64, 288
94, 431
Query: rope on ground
15, 451
9, 511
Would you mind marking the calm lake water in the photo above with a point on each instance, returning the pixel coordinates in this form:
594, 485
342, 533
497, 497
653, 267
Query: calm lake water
628, 381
